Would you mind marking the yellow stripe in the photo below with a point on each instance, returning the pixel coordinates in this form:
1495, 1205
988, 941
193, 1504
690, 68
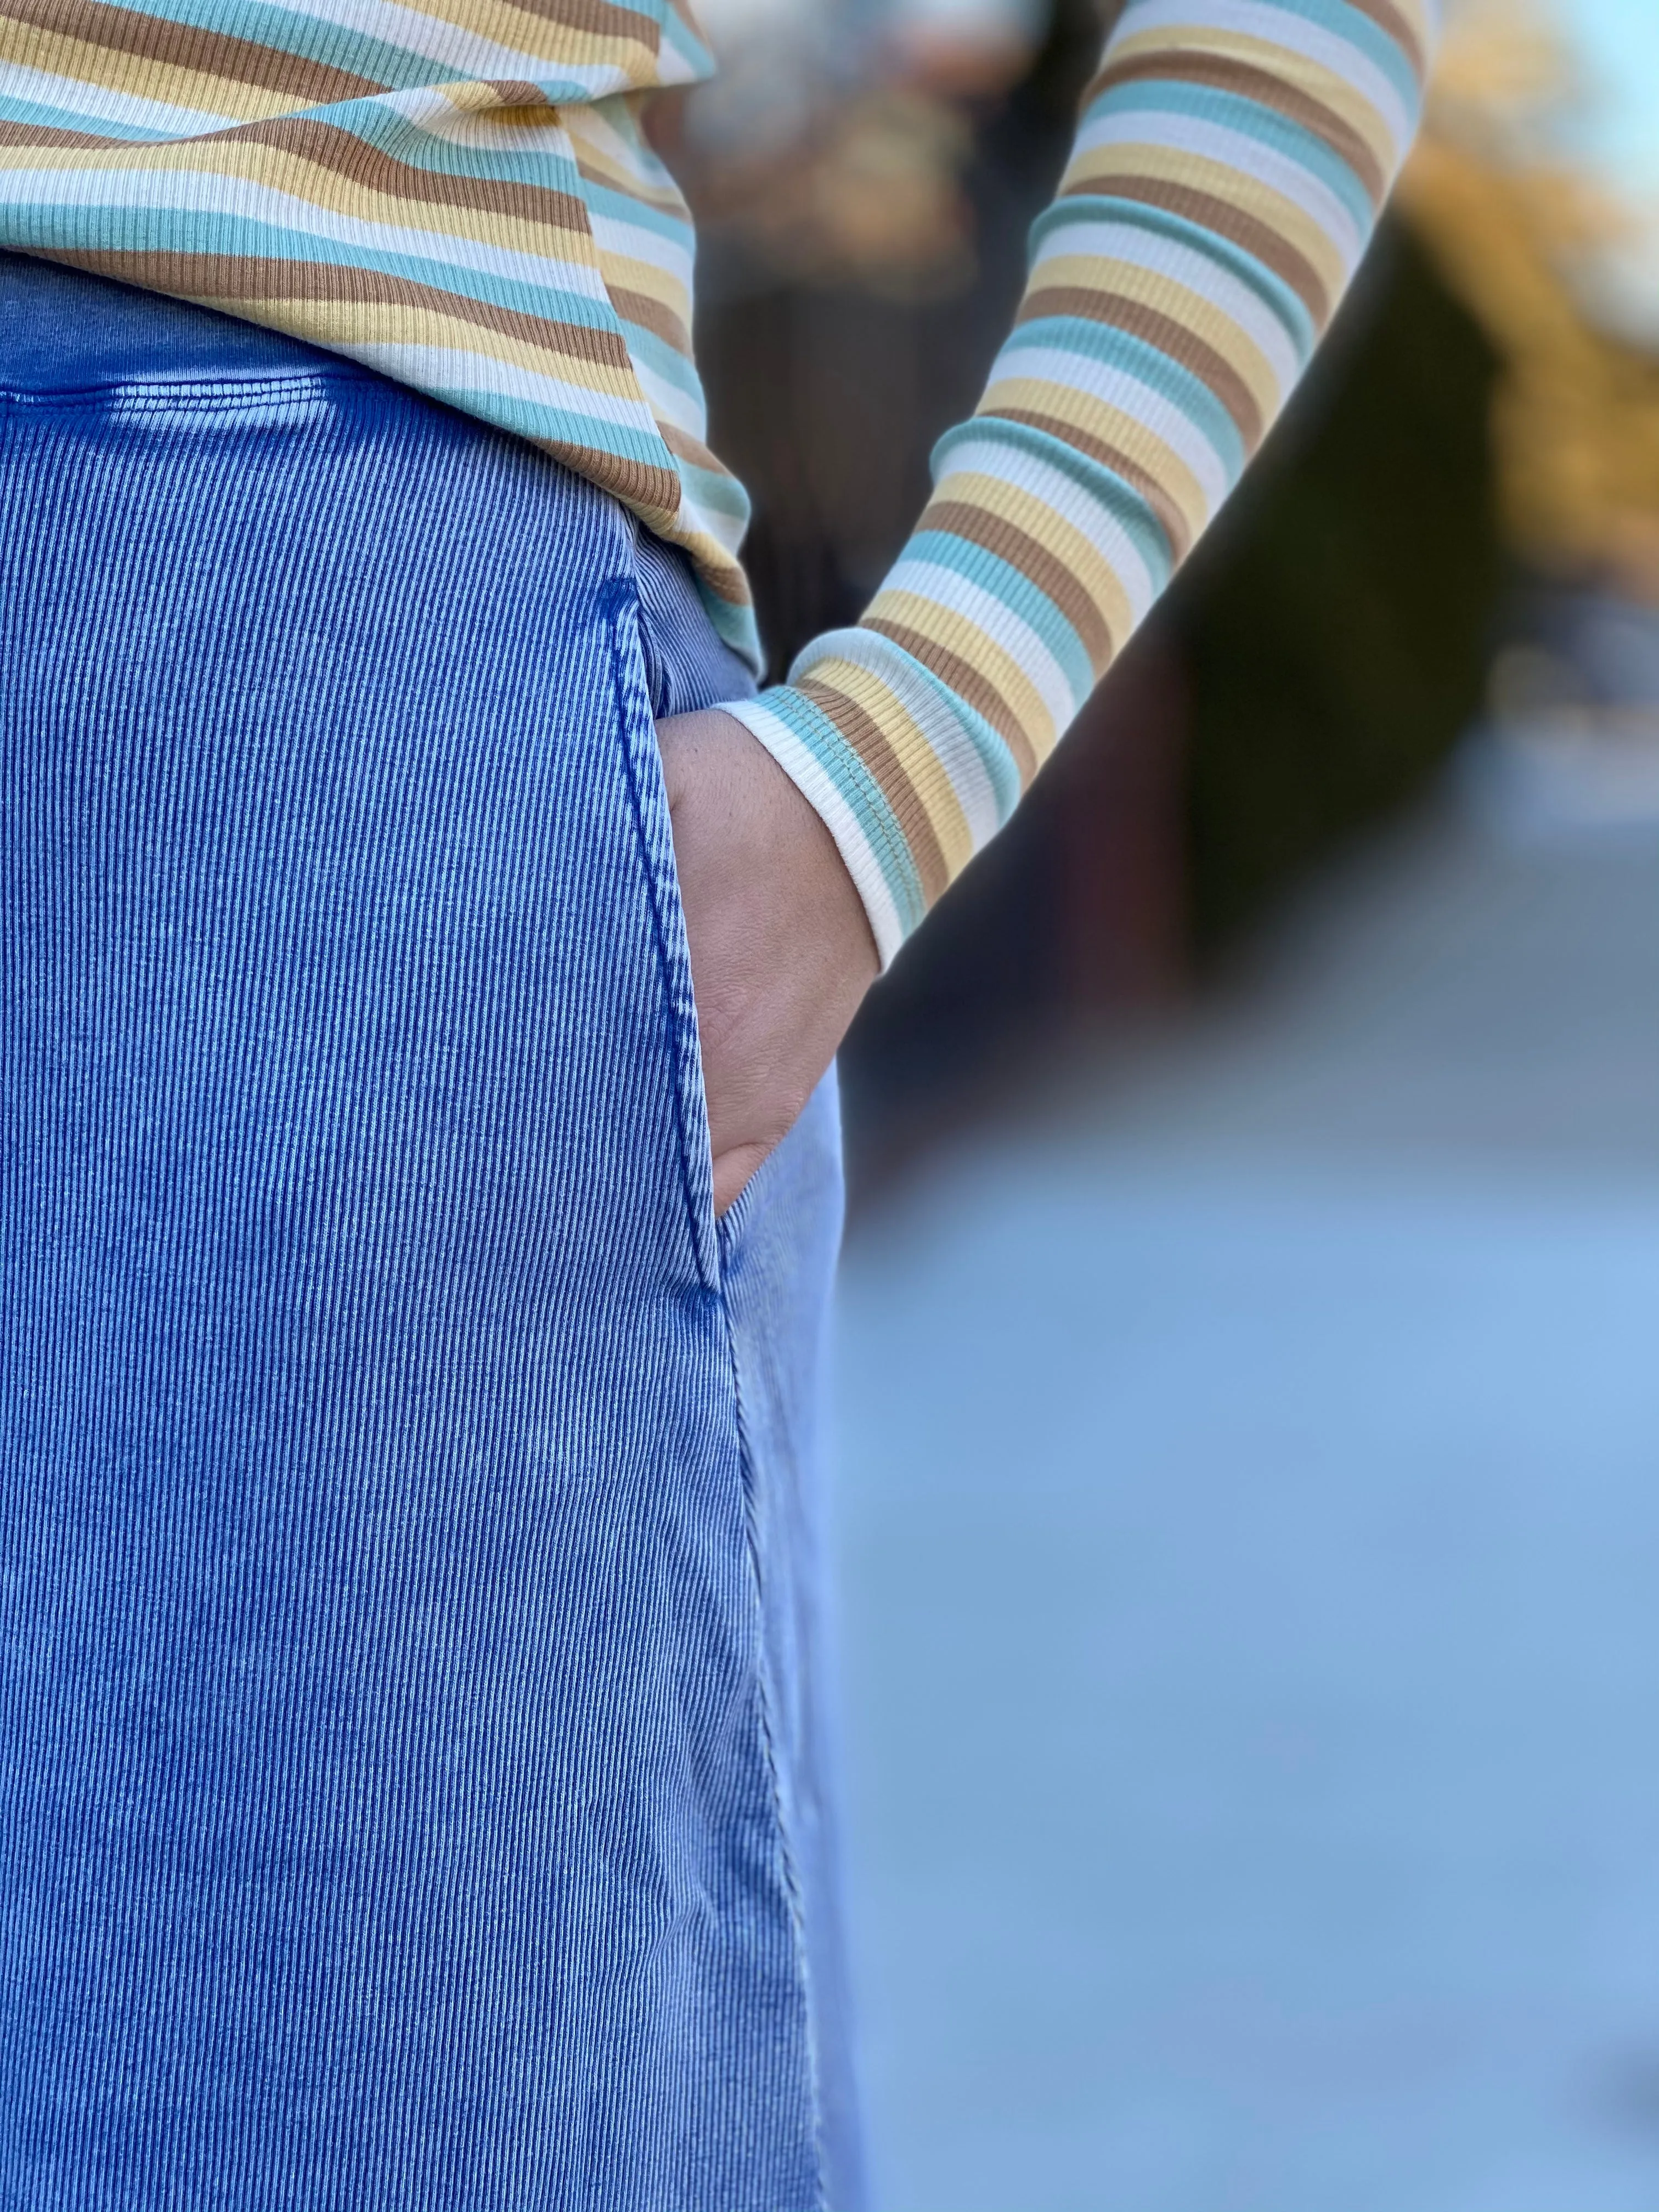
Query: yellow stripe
1329, 86
970, 643
349, 326
613, 157
283, 169
77, 63
919, 764
529, 31
623, 274
1223, 182
1025, 510
1125, 280
1065, 404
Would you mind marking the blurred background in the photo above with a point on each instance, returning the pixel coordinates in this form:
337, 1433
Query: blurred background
1248, 1397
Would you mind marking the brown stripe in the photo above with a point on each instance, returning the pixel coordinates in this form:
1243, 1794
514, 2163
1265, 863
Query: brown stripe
1035, 562
512, 92
43, 134
1390, 19
1169, 338
651, 315
207, 53
1211, 213
345, 155
242, 280
978, 690
597, 19
651, 492
685, 447
1267, 90
1172, 522
870, 742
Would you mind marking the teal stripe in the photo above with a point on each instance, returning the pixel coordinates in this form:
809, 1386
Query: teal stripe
666, 361
1121, 500
862, 795
713, 489
1250, 119
989, 748
383, 127
544, 425
1015, 592
674, 34
394, 67
620, 207
181, 230
1143, 363
734, 625
1271, 289
1349, 24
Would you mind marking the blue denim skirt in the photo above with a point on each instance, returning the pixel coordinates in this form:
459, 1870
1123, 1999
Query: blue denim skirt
411, 1735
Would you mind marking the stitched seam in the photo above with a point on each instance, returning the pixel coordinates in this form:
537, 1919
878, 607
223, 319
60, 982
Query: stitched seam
792, 1879
620, 600
161, 395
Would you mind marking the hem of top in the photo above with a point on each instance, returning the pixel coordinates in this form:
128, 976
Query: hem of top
817, 788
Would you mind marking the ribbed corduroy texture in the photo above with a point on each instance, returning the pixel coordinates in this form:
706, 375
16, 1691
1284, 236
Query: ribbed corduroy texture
390, 1814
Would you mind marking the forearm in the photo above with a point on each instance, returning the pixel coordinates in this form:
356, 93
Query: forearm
1229, 167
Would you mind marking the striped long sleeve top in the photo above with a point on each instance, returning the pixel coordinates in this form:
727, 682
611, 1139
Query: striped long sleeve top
458, 193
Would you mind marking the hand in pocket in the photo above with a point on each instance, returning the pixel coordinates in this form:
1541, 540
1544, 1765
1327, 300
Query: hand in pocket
781, 950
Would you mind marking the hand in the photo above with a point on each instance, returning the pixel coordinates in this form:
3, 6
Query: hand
781, 950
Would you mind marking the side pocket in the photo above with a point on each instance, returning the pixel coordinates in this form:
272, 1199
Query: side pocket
642, 768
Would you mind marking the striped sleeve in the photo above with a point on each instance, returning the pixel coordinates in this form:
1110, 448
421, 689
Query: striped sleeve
1229, 165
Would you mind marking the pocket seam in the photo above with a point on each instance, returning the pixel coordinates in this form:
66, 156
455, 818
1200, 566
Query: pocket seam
636, 730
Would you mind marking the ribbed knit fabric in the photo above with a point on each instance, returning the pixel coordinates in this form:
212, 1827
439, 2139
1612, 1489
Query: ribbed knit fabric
1229, 166
459, 195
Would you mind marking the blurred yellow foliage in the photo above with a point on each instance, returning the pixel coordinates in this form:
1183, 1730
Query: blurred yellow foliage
1507, 221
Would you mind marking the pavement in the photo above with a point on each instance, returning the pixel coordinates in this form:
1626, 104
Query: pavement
1250, 1522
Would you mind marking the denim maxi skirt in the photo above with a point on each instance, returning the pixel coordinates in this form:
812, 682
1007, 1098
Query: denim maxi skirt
411, 1759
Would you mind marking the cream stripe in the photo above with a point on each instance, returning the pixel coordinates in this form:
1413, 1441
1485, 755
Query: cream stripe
1149, 22
1303, 74
708, 525
1038, 479
1116, 280
435, 38
1074, 549
545, 38
100, 103
608, 140
804, 770
1041, 380
913, 577
436, 368
256, 165
1187, 135
470, 116
971, 818
671, 403
165, 82
192, 191
1120, 245
658, 265
1185, 171
861, 679
980, 651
